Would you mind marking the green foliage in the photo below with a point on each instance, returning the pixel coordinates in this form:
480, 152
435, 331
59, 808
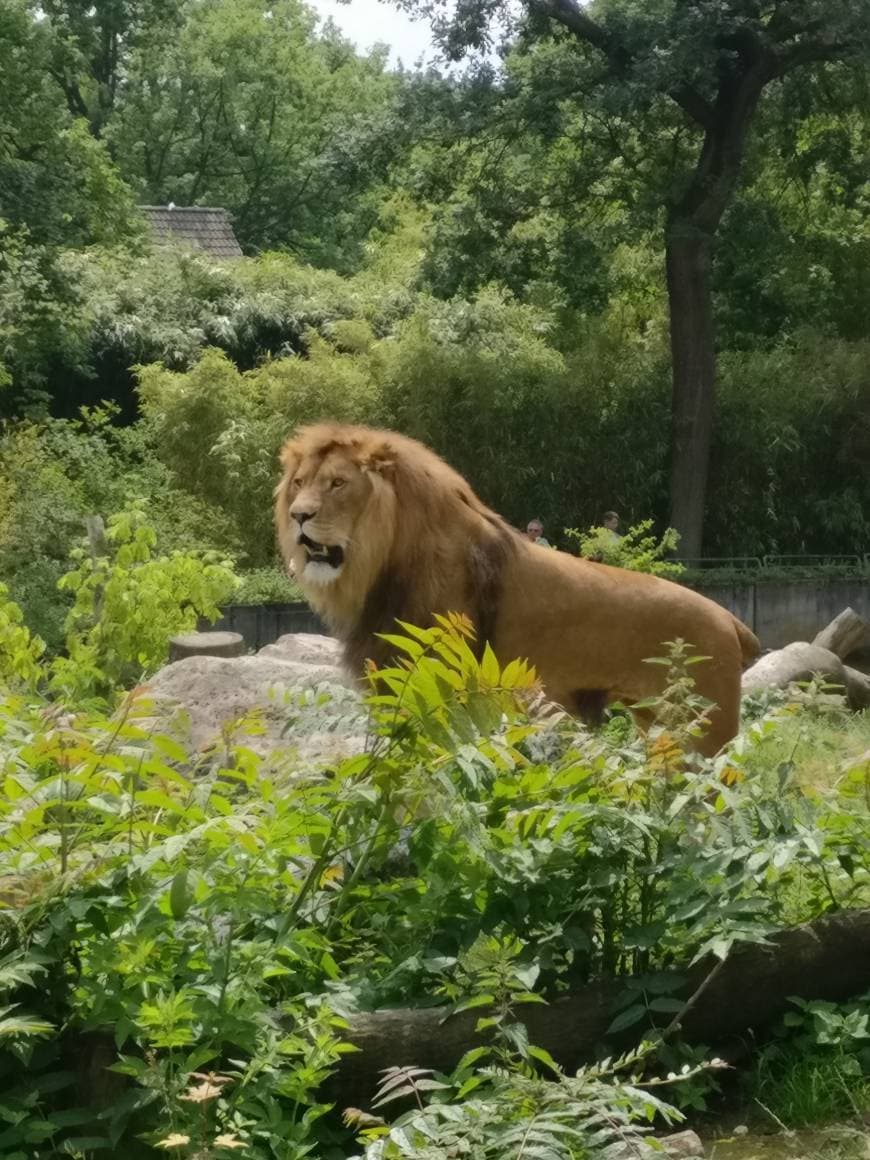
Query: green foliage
517, 1116
202, 920
20, 652
57, 180
637, 550
128, 603
818, 1066
266, 586
54, 474
300, 128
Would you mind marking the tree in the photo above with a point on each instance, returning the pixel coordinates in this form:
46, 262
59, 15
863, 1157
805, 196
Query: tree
698, 71
251, 107
91, 44
58, 188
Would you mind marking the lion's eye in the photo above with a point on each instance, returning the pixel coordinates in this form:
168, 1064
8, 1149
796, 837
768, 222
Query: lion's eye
336, 483
297, 482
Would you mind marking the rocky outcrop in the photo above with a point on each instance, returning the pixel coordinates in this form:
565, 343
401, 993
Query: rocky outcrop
292, 696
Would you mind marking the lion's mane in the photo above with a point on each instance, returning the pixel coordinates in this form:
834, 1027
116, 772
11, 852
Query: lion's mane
425, 543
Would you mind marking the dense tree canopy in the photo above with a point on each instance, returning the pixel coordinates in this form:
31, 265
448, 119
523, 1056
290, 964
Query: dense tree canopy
665, 97
486, 249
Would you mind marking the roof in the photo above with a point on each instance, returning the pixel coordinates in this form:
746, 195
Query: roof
200, 226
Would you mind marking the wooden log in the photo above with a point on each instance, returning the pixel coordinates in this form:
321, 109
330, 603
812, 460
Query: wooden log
206, 644
825, 959
796, 662
857, 689
844, 634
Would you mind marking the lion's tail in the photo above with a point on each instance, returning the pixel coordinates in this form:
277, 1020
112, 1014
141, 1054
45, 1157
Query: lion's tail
750, 646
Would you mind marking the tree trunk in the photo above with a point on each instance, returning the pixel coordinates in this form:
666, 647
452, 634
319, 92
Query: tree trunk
694, 376
846, 633
825, 959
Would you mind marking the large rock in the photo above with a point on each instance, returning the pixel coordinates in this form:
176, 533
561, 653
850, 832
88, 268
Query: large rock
307, 648
200, 695
680, 1146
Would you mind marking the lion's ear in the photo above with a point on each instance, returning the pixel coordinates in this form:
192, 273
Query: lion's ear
380, 459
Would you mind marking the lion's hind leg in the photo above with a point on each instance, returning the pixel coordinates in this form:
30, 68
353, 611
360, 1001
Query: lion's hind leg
588, 705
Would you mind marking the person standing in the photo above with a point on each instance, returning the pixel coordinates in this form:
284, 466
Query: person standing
610, 520
535, 533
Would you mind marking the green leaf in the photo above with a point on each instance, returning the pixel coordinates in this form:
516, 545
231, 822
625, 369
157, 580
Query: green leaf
627, 1018
180, 894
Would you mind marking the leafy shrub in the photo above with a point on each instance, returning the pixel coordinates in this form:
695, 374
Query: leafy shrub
20, 652
56, 473
818, 1065
637, 550
217, 910
266, 586
128, 604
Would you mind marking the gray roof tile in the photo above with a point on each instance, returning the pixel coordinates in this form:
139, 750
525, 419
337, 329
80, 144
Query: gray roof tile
202, 227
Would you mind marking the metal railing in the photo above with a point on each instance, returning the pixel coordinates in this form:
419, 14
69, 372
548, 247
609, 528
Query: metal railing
833, 561
736, 562
760, 563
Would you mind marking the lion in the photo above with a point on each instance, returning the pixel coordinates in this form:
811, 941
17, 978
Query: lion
376, 528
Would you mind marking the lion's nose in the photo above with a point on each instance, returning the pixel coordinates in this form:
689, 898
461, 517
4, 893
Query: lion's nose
301, 517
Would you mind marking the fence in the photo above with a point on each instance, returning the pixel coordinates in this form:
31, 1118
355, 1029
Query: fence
262, 624
777, 612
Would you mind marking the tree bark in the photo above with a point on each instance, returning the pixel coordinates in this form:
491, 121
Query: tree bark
798, 661
825, 959
844, 634
688, 257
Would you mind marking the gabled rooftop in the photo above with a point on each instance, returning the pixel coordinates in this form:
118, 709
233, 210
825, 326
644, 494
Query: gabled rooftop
202, 227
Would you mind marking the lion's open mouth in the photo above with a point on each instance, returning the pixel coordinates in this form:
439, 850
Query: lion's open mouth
330, 554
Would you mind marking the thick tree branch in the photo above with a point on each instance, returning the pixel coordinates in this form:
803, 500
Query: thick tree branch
74, 99
811, 52
571, 16
691, 102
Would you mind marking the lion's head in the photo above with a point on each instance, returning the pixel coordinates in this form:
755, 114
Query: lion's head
335, 506
374, 527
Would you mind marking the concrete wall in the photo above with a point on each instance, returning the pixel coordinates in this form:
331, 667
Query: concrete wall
262, 624
777, 613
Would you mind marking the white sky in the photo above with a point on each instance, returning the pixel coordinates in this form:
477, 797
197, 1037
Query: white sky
366, 22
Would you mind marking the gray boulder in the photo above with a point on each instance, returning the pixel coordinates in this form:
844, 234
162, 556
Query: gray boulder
308, 708
680, 1146
307, 648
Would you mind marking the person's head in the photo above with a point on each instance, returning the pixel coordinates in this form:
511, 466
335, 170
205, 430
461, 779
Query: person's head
534, 530
610, 520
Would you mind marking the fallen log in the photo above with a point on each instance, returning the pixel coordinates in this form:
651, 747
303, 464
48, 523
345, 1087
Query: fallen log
825, 959
857, 689
796, 662
846, 633
802, 662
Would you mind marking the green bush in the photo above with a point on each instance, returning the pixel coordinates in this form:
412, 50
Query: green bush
266, 586
817, 1067
129, 602
214, 911
636, 551
54, 474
